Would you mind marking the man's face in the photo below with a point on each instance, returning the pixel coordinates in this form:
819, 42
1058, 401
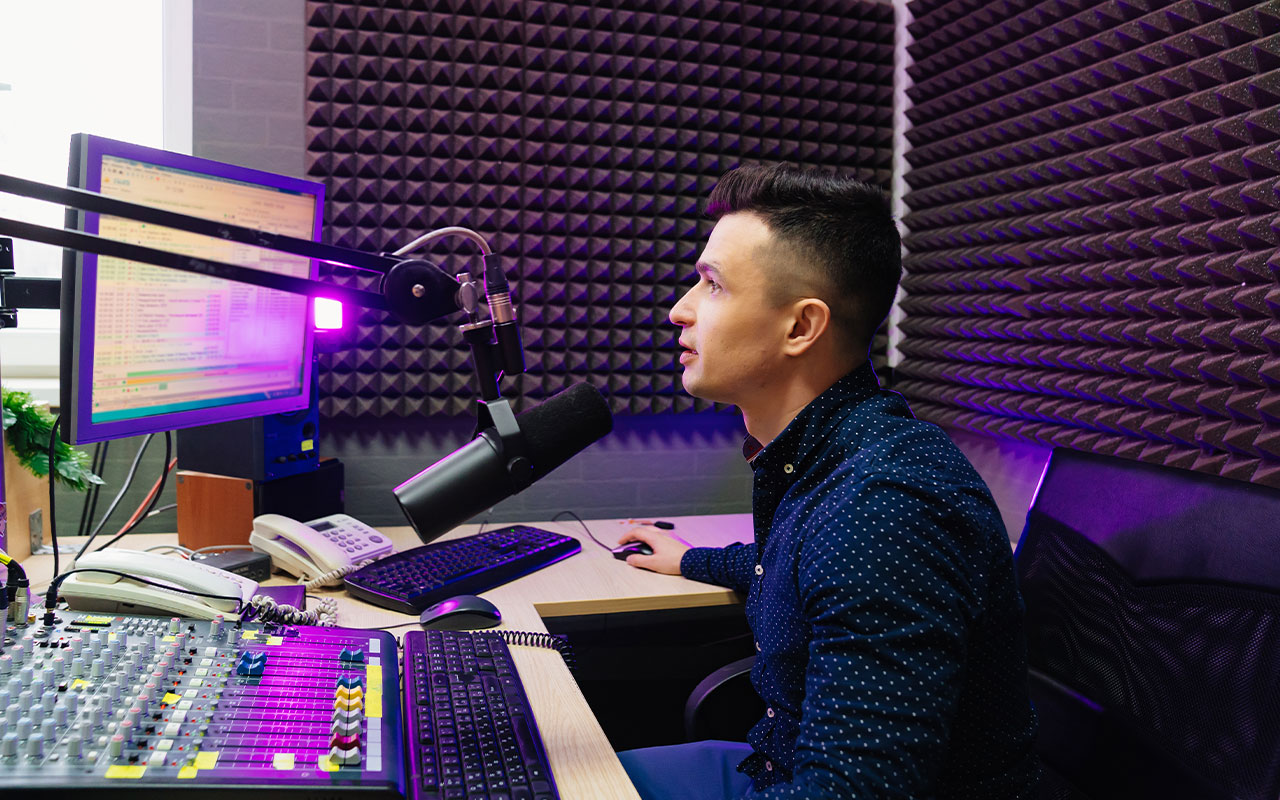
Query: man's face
732, 330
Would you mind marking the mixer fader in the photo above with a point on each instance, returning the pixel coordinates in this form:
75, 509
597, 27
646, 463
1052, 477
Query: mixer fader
128, 705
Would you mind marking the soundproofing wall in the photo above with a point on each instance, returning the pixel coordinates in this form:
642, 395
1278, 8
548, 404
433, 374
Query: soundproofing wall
1093, 227
582, 140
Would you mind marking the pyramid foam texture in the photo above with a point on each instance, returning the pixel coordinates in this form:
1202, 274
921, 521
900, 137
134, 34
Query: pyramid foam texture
1094, 227
581, 140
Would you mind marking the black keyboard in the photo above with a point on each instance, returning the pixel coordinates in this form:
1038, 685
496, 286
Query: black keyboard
414, 579
469, 730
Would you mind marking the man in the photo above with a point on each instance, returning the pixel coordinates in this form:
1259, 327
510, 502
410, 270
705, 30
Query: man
880, 585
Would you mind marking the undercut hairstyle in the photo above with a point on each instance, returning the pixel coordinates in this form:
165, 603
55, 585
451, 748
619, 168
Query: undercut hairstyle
840, 228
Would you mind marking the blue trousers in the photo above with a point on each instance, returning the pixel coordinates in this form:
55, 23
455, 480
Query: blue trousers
695, 771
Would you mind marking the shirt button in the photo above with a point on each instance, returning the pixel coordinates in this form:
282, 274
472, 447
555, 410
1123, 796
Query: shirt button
759, 569
757, 647
768, 765
769, 712
787, 468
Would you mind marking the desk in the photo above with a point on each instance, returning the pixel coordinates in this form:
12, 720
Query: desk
591, 582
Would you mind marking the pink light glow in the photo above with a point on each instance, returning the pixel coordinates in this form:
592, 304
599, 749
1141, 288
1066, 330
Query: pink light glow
328, 314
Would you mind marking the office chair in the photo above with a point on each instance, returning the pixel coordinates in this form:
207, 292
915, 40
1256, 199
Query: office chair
1153, 631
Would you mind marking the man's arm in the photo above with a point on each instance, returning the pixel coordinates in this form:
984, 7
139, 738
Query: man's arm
729, 566
889, 596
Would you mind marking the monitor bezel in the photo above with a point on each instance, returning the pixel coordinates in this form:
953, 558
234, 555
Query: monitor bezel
79, 285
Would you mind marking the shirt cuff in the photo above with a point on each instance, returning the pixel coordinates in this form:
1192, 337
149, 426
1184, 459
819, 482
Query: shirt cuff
695, 564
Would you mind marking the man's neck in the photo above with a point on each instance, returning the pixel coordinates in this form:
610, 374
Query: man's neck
765, 417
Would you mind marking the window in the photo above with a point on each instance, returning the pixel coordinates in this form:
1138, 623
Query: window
121, 70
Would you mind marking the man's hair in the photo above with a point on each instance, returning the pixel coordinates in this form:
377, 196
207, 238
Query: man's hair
840, 226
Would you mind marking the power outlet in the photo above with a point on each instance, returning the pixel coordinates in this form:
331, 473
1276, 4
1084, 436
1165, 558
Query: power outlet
35, 523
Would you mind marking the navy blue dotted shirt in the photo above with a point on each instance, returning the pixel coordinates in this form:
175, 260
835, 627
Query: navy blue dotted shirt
880, 590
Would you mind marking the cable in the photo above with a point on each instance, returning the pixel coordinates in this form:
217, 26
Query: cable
218, 548
555, 641
152, 497
162, 509
584, 527
133, 469
186, 551
51, 594
53, 523
334, 576
397, 625
266, 609
441, 232
91, 497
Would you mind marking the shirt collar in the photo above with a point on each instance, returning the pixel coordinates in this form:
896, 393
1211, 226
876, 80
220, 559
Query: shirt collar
811, 426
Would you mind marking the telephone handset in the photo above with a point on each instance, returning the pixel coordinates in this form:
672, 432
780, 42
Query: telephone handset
312, 550
103, 591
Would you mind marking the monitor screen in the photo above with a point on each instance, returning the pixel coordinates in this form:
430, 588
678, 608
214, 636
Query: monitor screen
148, 349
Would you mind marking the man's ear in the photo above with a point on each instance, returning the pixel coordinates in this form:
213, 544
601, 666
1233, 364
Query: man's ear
810, 319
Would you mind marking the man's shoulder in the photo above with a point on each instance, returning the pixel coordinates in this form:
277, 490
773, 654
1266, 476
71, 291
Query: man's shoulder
880, 436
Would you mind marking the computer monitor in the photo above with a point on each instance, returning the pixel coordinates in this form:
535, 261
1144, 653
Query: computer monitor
147, 349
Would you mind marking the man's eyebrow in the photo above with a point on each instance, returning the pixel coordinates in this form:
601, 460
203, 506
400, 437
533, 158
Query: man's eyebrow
703, 266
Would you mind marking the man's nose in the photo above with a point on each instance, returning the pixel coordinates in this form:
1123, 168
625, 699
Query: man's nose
681, 313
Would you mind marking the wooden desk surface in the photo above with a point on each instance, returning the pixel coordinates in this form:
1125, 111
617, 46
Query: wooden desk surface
591, 582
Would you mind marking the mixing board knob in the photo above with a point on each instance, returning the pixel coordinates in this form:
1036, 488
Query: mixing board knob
77, 645
95, 717
35, 748
49, 729
12, 713
60, 715
47, 700
26, 675
9, 745
116, 746
97, 669
112, 692
6, 665
75, 746
215, 628
25, 726
59, 667
175, 625
77, 667
6, 697
123, 638
113, 648
25, 698
71, 702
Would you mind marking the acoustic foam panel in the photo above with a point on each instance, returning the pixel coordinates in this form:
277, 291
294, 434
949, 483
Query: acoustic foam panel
1094, 224
582, 140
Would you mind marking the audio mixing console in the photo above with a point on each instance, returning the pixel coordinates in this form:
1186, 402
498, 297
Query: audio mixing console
121, 705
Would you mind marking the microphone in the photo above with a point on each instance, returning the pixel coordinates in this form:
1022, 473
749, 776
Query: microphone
479, 474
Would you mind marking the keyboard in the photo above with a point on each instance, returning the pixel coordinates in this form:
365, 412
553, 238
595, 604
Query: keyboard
469, 730
414, 579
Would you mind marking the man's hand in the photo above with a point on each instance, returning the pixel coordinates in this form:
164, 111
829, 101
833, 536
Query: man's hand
667, 550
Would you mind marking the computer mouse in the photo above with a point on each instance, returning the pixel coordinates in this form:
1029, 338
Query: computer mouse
465, 612
623, 550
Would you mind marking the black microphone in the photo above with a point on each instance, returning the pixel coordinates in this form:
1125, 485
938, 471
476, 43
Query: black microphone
475, 476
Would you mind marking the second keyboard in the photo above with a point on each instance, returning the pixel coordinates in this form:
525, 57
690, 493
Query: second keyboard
411, 580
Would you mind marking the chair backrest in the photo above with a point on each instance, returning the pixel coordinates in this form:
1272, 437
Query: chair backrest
1153, 629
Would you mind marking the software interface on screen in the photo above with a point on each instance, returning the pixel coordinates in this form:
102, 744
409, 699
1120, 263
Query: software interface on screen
167, 341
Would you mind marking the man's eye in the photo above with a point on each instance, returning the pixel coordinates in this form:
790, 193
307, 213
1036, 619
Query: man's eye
713, 286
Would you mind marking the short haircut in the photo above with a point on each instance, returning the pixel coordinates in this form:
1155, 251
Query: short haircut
843, 227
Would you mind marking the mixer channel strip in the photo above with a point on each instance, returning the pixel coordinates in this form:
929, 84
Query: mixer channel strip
123, 705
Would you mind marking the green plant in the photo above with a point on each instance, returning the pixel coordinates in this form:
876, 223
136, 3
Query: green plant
26, 430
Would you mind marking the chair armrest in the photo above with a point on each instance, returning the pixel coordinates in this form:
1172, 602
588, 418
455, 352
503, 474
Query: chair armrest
705, 688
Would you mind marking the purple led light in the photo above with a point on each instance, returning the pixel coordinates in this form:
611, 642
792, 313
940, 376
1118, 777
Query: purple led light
328, 314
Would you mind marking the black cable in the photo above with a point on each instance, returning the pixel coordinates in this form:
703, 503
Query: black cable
584, 527
164, 474
554, 641
53, 523
399, 625
51, 594
91, 497
133, 468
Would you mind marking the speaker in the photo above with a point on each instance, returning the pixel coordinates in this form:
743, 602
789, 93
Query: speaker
260, 449
219, 509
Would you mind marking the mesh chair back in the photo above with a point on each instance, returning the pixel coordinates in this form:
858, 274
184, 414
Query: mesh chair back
1153, 619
